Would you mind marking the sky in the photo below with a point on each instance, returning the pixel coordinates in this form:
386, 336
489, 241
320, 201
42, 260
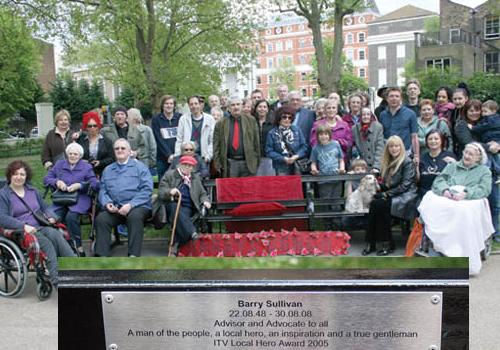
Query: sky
386, 6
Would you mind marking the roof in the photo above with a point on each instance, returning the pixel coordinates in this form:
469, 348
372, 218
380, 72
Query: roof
407, 11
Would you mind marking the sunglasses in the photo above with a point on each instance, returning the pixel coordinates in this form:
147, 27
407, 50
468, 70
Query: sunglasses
90, 126
189, 149
120, 148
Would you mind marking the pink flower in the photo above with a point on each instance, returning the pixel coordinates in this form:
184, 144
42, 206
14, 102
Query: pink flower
220, 254
316, 251
237, 236
250, 254
274, 253
264, 253
291, 251
265, 242
226, 236
304, 251
238, 254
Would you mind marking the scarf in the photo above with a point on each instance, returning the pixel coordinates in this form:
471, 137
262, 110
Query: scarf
186, 179
286, 140
364, 130
442, 109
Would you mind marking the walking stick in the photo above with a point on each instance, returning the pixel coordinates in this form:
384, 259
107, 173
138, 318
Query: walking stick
176, 216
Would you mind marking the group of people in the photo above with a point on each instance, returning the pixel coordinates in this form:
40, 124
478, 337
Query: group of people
411, 146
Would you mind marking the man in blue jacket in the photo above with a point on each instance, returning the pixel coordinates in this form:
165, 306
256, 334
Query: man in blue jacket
125, 198
304, 118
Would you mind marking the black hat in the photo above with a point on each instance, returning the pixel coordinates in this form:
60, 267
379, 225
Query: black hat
120, 109
381, 91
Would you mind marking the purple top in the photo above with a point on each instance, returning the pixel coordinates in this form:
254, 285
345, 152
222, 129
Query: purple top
19, 210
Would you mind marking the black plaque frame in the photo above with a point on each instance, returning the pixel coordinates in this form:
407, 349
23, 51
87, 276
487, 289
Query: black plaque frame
81, 317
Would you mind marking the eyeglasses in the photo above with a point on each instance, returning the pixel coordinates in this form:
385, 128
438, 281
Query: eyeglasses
289, 117
90, 126
120, 148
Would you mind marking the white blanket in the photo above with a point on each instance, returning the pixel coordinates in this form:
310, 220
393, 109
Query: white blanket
457, 228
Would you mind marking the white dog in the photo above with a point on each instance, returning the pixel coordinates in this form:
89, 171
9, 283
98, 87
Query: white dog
359, 200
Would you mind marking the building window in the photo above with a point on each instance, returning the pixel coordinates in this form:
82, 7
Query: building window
381, 53
302, 43
491, 64
289, 29
270, 79
304, 92
361, 19
315, 91
289, 60
279, 46
289, 45
438, 63
270, 47
361, 37
302, 59
362, 73
278, 30
400, 73
361, 54
492, 27
279, 61
349, 54
349, 38
259, 80
401, 51
454, 35
270, 63
382, 76
303, 76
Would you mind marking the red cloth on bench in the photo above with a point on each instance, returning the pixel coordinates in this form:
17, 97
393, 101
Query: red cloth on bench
265, 189
268, 243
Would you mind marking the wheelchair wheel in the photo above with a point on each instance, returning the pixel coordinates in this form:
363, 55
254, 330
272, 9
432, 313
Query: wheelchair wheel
43, 290
13, 269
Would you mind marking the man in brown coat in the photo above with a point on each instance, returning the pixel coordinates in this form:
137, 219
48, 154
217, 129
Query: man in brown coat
236, 143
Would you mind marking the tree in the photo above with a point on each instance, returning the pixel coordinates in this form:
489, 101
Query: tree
283, 75
317, 12
154, 46
349, 82
484, 86
19, 64
75, 98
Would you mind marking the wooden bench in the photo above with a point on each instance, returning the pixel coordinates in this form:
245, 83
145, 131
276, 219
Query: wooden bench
310, 204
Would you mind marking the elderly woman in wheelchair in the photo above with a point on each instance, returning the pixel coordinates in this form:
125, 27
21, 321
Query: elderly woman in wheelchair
456, 214
22, 209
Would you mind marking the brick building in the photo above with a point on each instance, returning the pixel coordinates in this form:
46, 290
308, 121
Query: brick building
286, 47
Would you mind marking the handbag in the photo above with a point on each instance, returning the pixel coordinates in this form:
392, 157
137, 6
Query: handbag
303, 165
65, 198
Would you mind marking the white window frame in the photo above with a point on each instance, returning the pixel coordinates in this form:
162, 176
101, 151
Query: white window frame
382, 54
382, 76
349, 54
289, 44
362, 70
498, 62
452, 35
363, 35
361, 51
269, 47
279, 46
349, 39
438, 62
492, 19
270, 62
401, 50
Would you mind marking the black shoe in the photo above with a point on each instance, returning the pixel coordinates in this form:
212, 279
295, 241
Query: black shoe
81, 254
194, 236
174, 249
370, 248
386, 250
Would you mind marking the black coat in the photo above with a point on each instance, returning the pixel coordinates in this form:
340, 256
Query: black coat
105, 154
403, 191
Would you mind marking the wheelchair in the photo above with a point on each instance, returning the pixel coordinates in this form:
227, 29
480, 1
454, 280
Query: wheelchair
18, 256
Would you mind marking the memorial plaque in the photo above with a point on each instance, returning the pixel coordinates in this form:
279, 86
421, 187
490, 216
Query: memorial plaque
272, 320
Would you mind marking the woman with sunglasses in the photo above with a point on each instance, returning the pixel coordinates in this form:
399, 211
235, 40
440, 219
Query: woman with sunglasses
97, 149
188, 148
285, 143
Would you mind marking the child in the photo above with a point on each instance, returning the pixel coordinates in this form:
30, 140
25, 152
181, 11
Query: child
358, 166
327, 159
